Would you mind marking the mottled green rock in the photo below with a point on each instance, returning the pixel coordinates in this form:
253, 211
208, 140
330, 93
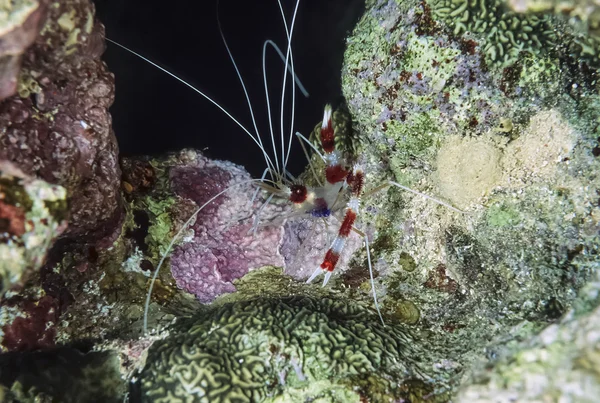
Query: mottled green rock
32, 214
515, 149
562, 363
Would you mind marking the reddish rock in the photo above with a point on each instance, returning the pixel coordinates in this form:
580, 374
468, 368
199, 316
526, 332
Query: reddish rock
33, 326
439, 280
18, 29
58, 127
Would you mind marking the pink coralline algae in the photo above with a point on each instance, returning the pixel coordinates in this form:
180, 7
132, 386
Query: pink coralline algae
223, 247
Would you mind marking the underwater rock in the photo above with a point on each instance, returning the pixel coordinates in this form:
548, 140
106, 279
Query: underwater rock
61, 375
20, 24
515, 148
562, 363
33, 214
284, 349
57, 127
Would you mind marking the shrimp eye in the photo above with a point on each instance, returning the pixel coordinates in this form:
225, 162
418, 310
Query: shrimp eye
298, 193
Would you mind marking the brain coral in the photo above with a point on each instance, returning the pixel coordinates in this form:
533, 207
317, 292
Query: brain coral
290, 348
506, 33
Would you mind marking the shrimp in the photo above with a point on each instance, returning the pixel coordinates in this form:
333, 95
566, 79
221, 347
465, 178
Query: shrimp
344, 184
275, 178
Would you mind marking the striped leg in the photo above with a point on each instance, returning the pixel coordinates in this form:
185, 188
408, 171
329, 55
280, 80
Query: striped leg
355, 180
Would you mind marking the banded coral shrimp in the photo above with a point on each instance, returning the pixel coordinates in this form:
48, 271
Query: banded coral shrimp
346, 184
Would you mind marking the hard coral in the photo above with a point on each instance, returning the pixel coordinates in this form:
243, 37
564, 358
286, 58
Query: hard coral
505, 33
294, 347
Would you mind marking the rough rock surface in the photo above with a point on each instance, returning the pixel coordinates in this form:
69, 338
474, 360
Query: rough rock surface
513, 144
56, 132
561, 363
20, 23
32, 215
57, 128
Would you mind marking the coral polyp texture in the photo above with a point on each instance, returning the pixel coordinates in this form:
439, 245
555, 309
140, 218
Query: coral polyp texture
278, 350
506, 35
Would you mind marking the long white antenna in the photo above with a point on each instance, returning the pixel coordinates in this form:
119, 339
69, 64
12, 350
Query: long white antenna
288, 58
268, 100
237, 71
215, 103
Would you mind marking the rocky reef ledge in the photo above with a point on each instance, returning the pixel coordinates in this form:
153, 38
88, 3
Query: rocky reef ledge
491, 106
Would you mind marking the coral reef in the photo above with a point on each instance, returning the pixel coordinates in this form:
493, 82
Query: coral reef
289, 349
508, 146
57, 128
486, 121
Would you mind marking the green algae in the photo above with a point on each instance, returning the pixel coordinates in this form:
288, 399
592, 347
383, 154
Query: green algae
502, 216
161, 224
35, 215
